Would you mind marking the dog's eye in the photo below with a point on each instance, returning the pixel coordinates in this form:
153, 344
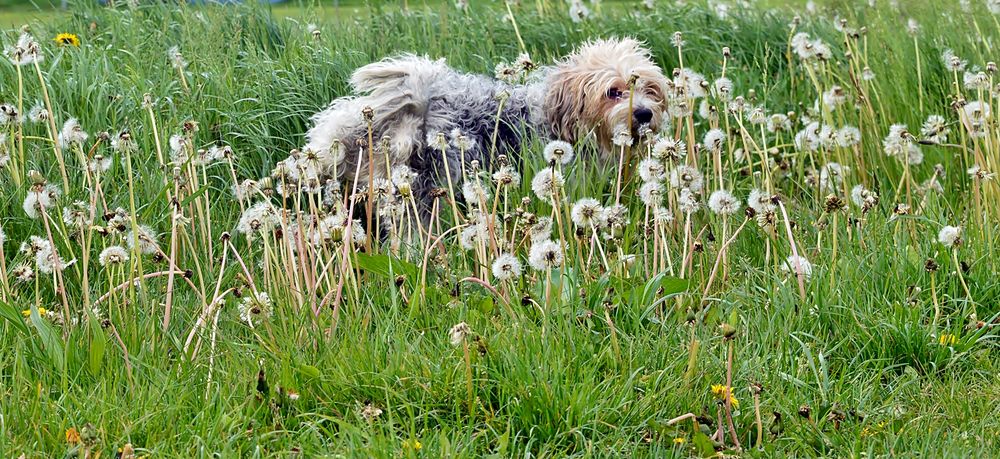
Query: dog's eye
614, 93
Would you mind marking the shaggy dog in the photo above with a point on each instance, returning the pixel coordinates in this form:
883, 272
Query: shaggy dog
412, 108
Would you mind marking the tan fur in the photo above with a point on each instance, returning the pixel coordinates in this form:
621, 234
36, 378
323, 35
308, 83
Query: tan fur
577, 104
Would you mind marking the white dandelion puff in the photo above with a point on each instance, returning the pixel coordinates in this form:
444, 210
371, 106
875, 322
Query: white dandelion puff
723, 202
506, 267
950, 236
545, 255
558, 151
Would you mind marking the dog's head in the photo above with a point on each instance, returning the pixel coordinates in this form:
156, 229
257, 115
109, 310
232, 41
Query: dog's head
602, 88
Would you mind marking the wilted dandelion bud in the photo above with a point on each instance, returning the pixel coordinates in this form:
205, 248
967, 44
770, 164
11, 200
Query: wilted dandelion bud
727, 331
36, 178
930, 265
991, 67
368, 113
725, 52
833, 204
189, 126
677, 39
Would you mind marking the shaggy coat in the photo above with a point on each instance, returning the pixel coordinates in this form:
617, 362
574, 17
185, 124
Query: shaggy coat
404, 103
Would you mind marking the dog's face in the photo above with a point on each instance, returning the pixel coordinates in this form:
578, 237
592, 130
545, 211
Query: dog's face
604, 87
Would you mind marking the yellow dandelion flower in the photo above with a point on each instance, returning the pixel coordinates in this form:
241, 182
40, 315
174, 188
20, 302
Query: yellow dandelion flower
680, 441
67, 39
720, 392
947, 340
41, 312
413, 444
72, 436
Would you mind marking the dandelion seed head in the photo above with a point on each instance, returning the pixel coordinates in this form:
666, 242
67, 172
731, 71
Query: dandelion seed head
760, 201
39, 197
77, 215
651, 194
848, 136
558, 151
176, 58
461, 141
652, 170
950, 236
458, 333
72, 134
24, 51
506, 267
952, 62
622, 138
147, 239
545, 255
507, 176
778, 122
935, 129
723, 89
798, 266
23, 273
668, 149
471, 236
586, 212
687, 177
113, 256
38, 113
437, 140
259, 218
256, 307
540, 230
663, 216
723, 202
546, 183
714, 140
688, 202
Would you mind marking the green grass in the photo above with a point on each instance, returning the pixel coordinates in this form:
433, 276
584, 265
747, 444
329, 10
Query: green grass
596, 373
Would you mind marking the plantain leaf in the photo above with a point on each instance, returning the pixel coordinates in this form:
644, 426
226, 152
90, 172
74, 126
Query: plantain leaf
50, 340
98, 345
12, 315
386, 266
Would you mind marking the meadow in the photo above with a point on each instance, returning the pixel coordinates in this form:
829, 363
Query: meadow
803, 263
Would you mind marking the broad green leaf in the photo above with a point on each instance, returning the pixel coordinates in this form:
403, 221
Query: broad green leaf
50, 340
12, 315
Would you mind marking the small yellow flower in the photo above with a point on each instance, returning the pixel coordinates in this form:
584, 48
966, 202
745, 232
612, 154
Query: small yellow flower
413, 444
720, 392
67, 39
72, 436
41, 312
680, 441
947, 340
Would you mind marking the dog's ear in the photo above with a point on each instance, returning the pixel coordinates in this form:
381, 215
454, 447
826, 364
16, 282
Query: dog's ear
564, 102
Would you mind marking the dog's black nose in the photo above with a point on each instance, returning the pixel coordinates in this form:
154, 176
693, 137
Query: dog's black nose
643, 115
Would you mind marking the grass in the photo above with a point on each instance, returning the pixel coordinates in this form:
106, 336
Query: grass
875, 355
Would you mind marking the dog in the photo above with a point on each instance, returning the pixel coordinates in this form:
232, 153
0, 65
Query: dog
409, 106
